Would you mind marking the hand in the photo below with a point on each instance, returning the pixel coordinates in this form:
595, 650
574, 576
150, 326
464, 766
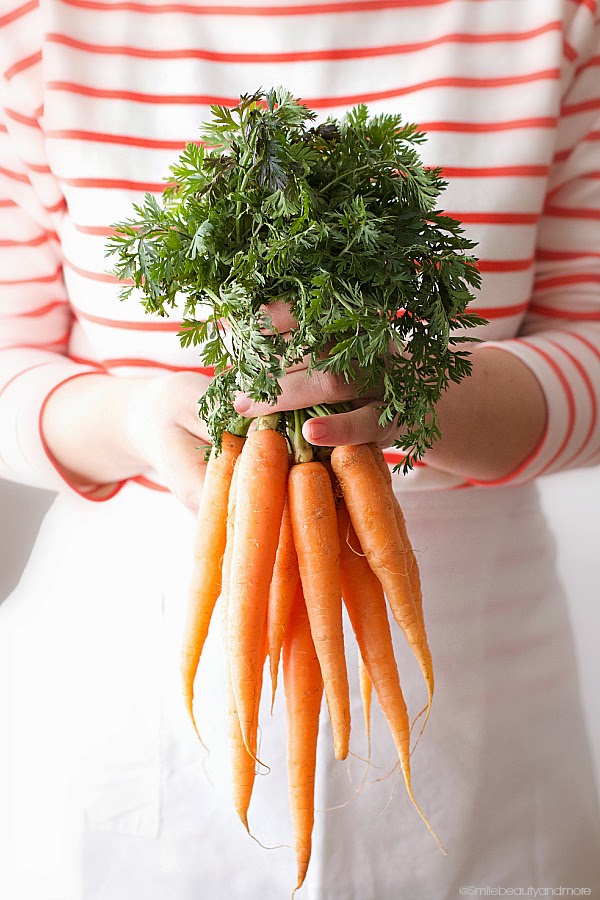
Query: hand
102, 429
300, 390
166, 433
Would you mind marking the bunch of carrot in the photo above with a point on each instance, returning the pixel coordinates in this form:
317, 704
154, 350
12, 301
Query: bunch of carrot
282, 543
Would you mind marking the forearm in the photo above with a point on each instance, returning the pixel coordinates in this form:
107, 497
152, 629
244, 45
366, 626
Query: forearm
490, 422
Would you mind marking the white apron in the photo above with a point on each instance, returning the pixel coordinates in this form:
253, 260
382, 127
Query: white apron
107, 795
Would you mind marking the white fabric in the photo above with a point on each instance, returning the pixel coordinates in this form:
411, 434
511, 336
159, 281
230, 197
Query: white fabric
114, 801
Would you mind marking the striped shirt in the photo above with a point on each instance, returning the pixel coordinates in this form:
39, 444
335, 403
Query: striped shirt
98, 98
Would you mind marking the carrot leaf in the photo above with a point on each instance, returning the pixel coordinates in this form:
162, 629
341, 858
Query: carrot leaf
340, 219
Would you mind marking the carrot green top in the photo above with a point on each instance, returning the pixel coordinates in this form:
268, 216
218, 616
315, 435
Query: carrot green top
341, 221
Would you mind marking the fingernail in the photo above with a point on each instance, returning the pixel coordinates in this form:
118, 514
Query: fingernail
242, 403
317, 430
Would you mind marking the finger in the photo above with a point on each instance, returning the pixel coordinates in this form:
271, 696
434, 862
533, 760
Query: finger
299, 390
183, 467
281, 317
361, 426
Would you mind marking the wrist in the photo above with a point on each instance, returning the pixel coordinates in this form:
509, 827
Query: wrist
85, 429
492, 421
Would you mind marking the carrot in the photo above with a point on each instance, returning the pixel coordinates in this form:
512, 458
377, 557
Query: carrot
211, 530
366, 690
365, 602
314, 525
261, 486
281, 594
371, 508
303, 686
413, 568
242, 764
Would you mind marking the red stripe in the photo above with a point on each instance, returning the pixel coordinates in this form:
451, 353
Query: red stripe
94, 276
561, 280
585, 342
505, 265
305, 55
116, 183
96, 230
32, 242
20, 118
23, 64
586, 106
147, 483
564, 255
479, 218
126, 140
4, 204
593, 400
39, 168
590, 63
14, 176
150, 325
571, 315
277, 11
498, 312
477, 127
143, 364
41, 279
570, 401
569, 51
496, 171
62, 341
495, 218
56, 207
564, 212
393, 457
43, 310
153, 144
314, 103
17, 13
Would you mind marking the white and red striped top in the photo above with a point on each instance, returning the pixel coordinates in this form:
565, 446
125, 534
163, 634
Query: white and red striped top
98, 97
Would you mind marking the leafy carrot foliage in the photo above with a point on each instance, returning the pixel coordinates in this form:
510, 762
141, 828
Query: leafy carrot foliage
340, 220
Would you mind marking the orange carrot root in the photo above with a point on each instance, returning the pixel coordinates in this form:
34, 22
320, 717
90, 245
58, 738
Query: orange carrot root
261, 487
314, 525
366, 690
365, 602
281, 595
303, 686
369, 499
208, 554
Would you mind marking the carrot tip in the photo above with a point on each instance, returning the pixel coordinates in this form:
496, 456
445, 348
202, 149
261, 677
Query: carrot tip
422, 814
340, 751
190, 709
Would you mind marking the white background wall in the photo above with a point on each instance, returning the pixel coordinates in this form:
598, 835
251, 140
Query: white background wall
572, 504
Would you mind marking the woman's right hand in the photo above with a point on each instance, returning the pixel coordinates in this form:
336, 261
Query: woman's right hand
101, 429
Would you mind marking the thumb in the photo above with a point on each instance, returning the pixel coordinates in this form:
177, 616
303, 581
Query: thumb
183, 467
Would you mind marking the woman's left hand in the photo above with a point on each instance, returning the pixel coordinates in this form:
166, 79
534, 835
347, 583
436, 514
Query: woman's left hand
300, 390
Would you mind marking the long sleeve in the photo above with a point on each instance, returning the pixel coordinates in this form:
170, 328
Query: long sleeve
560, 336
35, 317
